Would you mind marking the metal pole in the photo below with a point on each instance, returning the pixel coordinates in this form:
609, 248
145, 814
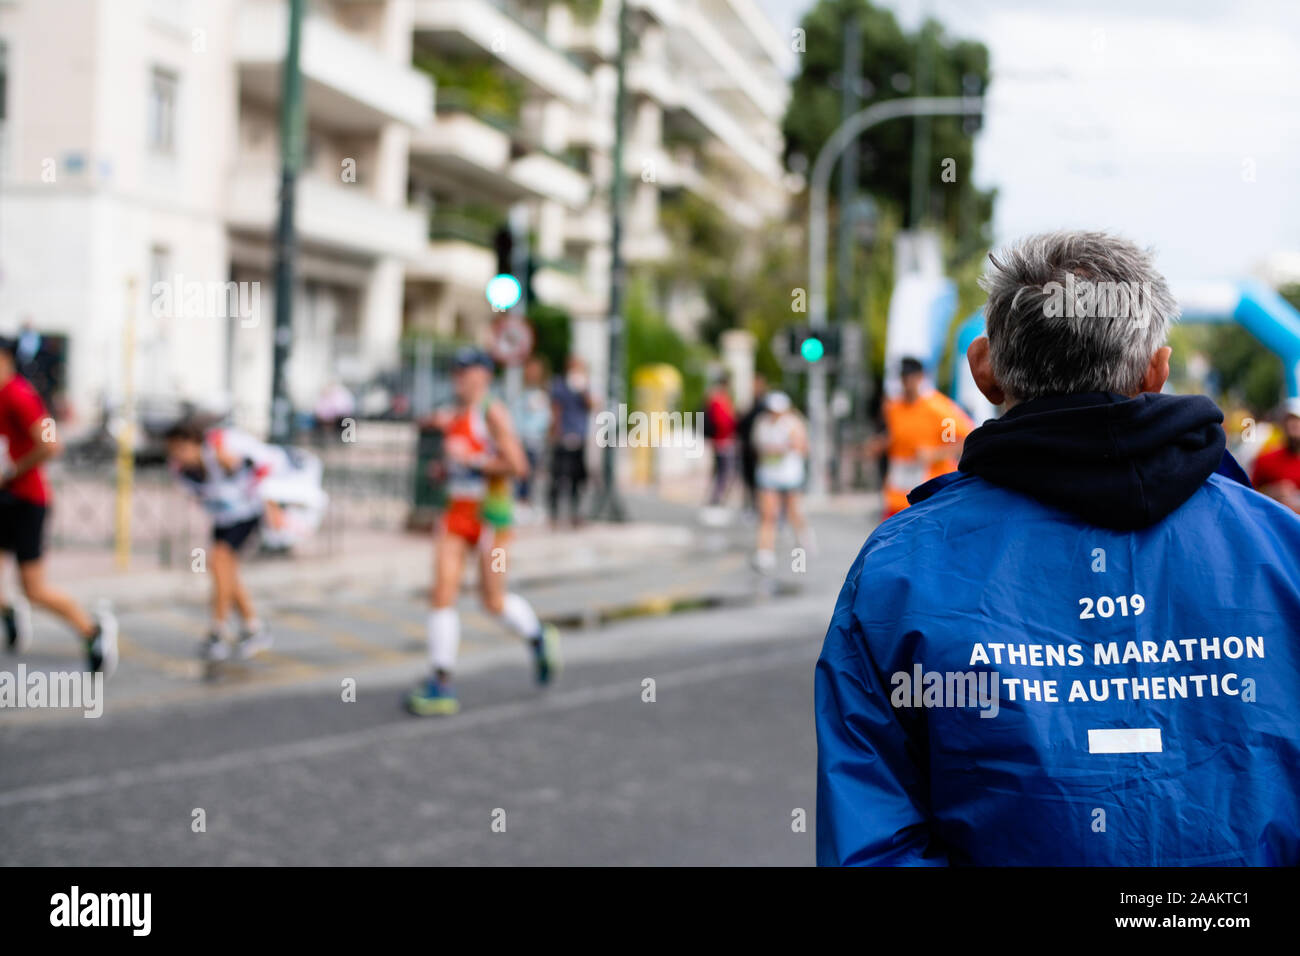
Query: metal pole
519, 253
850, 77
126, 437
850, 71
921, 133
609, 505
818, 188
291, 136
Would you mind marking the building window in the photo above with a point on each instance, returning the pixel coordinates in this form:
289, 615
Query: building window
162, 111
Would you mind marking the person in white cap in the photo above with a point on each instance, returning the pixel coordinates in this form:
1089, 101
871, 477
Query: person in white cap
1277, 472
781, 443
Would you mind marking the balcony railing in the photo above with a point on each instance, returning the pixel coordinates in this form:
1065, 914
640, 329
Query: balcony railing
461, 226
452, 100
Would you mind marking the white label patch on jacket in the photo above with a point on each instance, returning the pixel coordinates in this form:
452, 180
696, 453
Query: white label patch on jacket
1125, 740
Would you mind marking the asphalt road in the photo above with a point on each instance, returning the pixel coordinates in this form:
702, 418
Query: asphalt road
280, 769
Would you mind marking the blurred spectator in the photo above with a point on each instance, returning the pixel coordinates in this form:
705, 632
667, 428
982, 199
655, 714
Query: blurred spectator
29, 344
745, 432
532, 414
720, 429
332, 407
1277, 472
570, 413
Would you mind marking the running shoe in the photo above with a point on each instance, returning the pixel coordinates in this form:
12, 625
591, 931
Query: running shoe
432, 698
18, 625
253, 642
101, 648
546, 654
213, 648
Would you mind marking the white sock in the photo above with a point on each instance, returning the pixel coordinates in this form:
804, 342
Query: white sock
443, 628
519, 616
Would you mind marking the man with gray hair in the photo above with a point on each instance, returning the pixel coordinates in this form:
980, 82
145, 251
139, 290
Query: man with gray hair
1082, 647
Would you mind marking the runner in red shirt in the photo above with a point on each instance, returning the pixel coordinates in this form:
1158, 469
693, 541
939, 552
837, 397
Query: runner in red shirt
1277, 473
28, 432
720, 429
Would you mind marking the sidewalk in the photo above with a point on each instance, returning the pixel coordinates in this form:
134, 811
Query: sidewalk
386, 561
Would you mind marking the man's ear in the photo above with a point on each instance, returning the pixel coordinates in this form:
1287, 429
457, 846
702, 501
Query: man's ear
982, 369
1157, 373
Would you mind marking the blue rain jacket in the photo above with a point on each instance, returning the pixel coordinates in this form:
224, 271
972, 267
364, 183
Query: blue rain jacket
1081, 648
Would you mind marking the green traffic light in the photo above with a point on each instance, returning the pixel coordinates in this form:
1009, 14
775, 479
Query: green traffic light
812, 349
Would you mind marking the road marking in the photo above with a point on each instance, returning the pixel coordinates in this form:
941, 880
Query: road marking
368, 649
139, 654
1125, 740
412, 729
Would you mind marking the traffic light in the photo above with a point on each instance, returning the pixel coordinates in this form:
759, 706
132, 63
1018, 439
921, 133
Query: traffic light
808, 346
506, 289
504, 241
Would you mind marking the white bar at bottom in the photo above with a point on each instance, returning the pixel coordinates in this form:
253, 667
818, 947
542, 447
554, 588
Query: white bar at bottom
1125, 740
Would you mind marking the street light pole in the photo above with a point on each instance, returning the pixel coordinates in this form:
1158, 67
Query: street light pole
608, 504
291, 134
819, 182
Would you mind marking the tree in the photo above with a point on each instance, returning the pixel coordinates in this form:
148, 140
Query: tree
889, 66
552, 334
890, 59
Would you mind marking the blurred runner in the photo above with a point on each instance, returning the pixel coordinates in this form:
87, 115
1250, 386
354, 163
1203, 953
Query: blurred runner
482, 455
720, 430
924, 434
29, 435
781, 443
223, 468
1277, 472
570, 411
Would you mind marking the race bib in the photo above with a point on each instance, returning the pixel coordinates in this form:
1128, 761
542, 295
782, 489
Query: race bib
906, 473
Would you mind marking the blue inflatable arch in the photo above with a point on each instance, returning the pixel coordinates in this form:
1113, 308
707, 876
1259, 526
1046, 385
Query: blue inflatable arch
1250, 303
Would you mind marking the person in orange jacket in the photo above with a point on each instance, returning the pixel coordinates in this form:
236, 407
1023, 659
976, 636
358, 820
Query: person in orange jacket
924, 434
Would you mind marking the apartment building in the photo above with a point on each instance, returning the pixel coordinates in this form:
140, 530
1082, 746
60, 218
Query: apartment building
140, 139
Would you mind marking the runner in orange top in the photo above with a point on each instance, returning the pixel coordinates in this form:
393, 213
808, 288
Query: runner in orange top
925, 431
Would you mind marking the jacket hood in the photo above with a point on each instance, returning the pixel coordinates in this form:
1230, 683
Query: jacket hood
1113, 461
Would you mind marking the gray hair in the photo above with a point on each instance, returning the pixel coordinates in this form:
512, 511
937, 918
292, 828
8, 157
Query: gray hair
1073, 312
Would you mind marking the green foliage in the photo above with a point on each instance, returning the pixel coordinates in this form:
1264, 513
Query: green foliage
584, 11
889, 59
552, 334
473, 83
961, 212
705, 244
1245, 372
650, 339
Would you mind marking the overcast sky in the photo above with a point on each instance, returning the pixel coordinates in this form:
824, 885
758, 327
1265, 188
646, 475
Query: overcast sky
1143, 117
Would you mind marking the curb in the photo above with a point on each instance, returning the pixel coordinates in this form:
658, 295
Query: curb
405, 566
